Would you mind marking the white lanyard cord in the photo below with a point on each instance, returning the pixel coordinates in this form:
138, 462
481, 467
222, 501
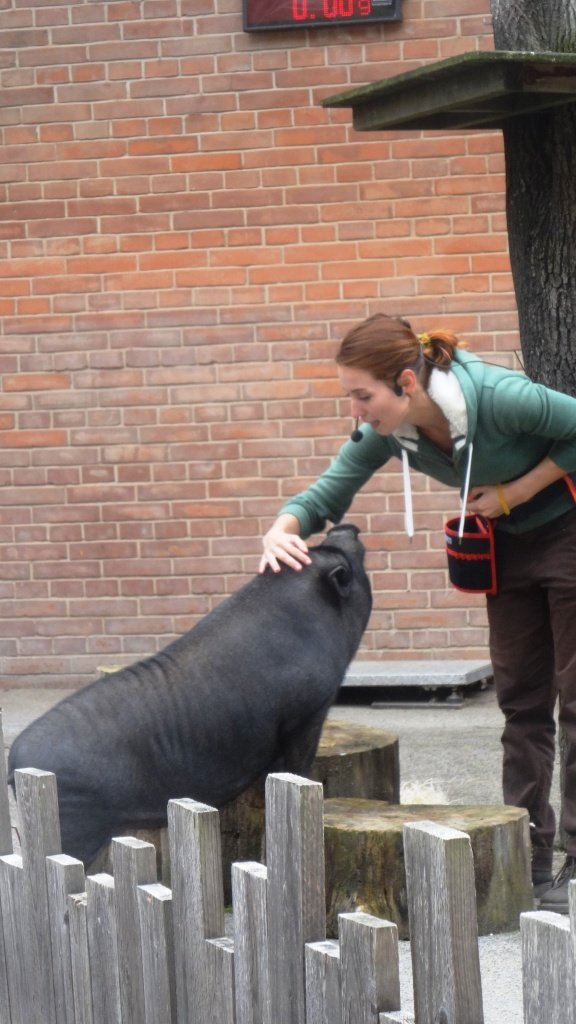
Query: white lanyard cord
465, 493
408, 514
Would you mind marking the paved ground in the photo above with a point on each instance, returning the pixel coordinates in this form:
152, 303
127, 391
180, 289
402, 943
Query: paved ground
455, 750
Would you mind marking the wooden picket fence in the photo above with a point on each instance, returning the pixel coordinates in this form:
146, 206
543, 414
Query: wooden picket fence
122, 948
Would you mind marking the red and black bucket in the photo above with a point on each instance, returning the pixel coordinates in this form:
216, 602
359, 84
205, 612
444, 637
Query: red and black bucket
471, 556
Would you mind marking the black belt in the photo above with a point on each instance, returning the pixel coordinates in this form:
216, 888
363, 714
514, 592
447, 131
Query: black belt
539, 502
527, 537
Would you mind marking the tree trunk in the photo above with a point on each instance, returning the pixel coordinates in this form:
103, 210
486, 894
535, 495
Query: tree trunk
540, 152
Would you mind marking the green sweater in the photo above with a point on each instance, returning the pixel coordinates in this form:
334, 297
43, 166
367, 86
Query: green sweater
511, 422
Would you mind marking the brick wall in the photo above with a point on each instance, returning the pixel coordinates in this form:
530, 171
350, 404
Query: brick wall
185, 236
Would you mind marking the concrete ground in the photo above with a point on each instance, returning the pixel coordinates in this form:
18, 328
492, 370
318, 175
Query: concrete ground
455, 750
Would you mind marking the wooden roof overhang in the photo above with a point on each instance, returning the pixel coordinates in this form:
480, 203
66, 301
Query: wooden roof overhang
473, 90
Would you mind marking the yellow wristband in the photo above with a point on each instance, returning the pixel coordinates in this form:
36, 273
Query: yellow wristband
503, 503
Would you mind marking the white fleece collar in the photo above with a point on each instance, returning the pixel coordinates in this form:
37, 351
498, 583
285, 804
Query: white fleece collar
445, 391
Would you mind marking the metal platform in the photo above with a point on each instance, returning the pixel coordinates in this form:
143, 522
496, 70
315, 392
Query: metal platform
439, 682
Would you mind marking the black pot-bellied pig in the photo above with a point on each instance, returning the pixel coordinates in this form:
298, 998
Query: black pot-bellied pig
243, 693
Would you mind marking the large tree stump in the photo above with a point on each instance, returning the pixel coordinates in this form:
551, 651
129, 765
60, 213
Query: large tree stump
357, 760
351, 760
365, 860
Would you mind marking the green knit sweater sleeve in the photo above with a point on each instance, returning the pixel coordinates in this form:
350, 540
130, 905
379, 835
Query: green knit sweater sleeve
522, 407
329, 498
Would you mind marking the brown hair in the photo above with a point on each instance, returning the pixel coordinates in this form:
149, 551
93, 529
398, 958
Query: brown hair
385, 345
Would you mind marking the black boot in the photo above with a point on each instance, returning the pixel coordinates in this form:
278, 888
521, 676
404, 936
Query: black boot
556, 897
542, 879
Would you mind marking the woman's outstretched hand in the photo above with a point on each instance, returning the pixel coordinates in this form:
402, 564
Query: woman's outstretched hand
282, 544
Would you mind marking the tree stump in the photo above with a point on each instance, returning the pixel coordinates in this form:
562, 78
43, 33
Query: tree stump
351, 761
365, 860
357, 761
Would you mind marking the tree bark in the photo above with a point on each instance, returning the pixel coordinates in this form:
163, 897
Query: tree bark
540, 151
534, 25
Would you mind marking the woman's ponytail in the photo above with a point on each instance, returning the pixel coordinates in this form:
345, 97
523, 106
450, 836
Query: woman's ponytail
439, 346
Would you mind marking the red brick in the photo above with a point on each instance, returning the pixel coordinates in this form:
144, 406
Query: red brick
36, 382
32, 438
194, 215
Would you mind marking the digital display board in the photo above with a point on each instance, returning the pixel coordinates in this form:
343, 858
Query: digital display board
274, 14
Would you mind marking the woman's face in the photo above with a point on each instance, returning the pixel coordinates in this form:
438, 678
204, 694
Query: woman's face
373, 401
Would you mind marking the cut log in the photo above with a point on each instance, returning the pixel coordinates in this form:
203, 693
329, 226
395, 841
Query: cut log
351, 761
365, 860
357, 761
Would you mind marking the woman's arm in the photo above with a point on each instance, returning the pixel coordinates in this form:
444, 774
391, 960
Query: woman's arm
497, 500
326, 500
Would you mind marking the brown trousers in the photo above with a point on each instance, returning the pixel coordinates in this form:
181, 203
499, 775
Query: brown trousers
533, 650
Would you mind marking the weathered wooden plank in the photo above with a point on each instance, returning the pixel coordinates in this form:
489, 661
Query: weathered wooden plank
323, 991
37, 799
548, 983
198, 901
80, 958
249, 882
369, 967
219, 960
443, 924
16, 996
133, 864
5, 1014
103, 949
5, 848
64, 875
6, 845
157, 940
296, 901
572, 916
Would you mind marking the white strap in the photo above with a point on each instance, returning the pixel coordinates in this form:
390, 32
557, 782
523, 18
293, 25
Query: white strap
465, 493
408, 514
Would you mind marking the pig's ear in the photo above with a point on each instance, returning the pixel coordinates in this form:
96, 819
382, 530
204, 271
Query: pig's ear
340, 577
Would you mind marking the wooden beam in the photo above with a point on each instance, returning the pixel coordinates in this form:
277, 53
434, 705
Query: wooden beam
472, 90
